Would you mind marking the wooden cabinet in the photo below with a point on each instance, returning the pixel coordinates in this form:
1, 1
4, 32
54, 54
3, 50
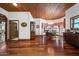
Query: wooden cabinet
72, 39
32, 35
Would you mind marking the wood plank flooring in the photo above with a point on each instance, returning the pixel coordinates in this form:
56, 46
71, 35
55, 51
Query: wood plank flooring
37, 47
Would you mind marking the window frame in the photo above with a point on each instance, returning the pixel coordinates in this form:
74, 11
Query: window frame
72, 22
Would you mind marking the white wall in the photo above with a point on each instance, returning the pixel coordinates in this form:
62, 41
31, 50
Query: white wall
55, 20
24, 32
40, 30
37, 22
4, 12
71, 12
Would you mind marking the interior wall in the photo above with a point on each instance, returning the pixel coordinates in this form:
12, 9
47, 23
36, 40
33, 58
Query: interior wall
4, 12
71, 12
24, 32
55, 20
37, 24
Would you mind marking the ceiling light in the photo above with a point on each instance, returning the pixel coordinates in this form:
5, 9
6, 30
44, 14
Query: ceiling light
15, 4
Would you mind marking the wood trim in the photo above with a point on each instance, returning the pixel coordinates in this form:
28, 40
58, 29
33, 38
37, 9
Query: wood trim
32, 33
39, 35
74, 17
6, 30
23, 39
70, 23
64, 23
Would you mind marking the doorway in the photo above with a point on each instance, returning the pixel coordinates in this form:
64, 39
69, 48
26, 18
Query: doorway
13, 29
32, 30
3, 28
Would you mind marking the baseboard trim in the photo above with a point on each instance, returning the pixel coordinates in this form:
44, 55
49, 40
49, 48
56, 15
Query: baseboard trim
39, 35
23, 39
20, 40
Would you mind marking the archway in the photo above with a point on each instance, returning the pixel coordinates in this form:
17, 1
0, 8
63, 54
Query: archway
3, 27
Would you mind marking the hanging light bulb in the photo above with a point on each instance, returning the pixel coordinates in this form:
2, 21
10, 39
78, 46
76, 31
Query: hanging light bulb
15, 4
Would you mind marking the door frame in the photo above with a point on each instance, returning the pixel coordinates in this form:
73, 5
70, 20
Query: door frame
30, 30
9, 28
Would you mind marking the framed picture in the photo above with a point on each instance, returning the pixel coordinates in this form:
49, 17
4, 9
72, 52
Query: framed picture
37, 26
23, 24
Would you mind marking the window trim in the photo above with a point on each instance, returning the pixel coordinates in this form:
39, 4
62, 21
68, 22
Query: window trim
72, 22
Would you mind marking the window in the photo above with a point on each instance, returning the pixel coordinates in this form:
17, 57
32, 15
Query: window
76, 23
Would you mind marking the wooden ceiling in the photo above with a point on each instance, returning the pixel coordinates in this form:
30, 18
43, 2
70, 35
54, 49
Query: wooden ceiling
40, 10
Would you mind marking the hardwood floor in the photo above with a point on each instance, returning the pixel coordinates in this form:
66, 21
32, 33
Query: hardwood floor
70, 50
37, 47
